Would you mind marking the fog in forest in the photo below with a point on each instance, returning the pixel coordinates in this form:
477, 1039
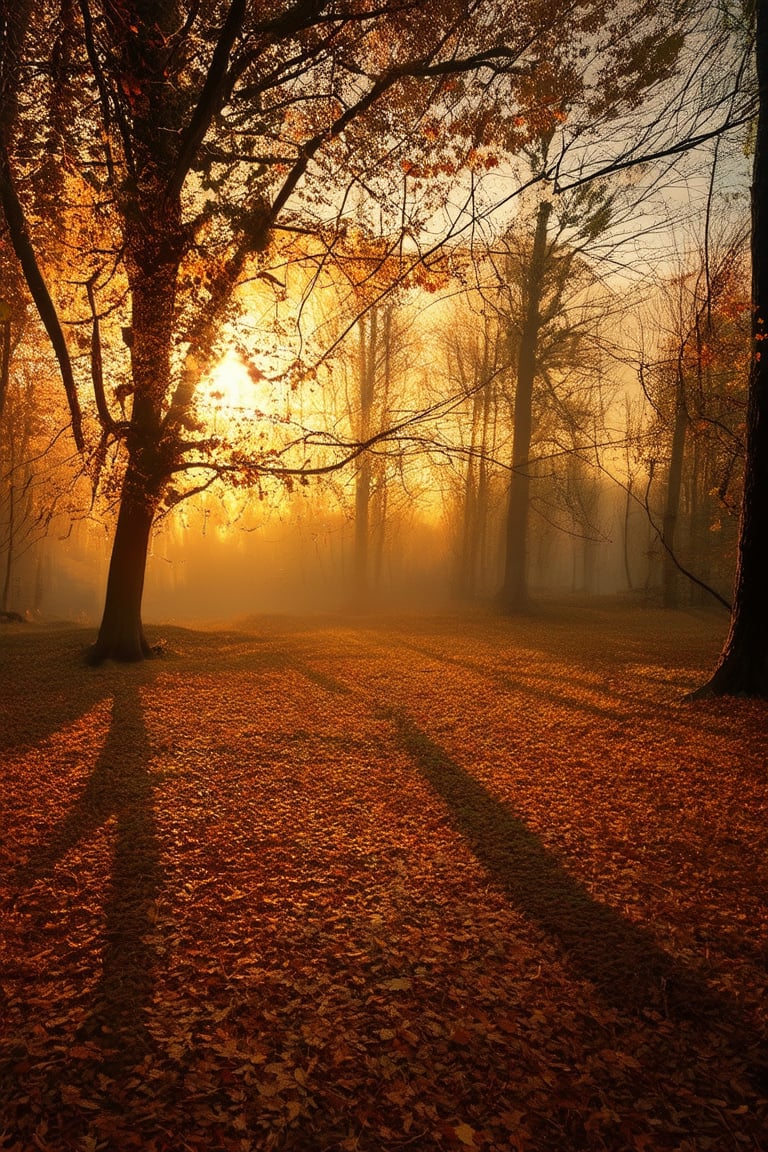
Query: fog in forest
476, 375
295, 560
390, 471
420, 521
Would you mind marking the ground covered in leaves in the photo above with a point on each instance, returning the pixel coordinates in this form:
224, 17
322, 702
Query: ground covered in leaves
383, 884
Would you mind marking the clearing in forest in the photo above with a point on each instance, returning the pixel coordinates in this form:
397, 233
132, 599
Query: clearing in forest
384, 884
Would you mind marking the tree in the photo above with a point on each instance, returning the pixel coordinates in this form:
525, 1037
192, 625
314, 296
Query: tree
476, 351
696, 389
181, 138
743, 665
554, 321
37, 477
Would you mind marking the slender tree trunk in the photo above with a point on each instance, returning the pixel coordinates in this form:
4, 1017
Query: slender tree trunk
467, 558
11, 541
40, 582
367, 375
380, 535
362, 527
743, 665
514, 592
5, 360
625, 535
379, 475
702, 482
483, 489
672, 506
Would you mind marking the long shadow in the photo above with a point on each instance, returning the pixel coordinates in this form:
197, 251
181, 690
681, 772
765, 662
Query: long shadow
120, 786
627, 968
531, 685
558, 688
44, 685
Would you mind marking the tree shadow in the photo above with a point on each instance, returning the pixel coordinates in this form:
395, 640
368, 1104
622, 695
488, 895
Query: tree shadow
120, 787
556, 691
627, 968
45, 685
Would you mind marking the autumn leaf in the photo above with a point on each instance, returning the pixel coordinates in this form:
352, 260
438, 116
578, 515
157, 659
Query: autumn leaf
438, 870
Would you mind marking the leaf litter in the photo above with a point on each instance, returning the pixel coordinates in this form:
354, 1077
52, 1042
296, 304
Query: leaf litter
385, 883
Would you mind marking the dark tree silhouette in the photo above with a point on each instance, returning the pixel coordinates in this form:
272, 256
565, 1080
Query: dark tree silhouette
743, 665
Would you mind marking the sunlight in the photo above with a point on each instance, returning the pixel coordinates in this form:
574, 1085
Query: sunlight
236, 388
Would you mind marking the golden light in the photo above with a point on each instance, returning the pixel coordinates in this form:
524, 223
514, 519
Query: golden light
236, 389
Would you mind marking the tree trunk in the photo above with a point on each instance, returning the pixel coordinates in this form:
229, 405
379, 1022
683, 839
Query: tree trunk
743, 665
5, 359
466, 565
378, 531
11, 542
483, 491
514, 592
674, 487
367, 380
362, 527
121, 635
625, 535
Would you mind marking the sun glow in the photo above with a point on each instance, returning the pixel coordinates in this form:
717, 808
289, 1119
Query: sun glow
236, 389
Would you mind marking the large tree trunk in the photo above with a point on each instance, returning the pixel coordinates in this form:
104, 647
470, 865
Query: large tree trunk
150, 452
743, 666
514, 592
121, 635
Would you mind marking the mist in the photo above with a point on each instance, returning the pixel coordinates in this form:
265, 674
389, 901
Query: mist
299, 558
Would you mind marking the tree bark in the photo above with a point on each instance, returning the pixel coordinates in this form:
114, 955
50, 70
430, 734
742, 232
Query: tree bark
5, 361
367, 383
674, 487
466, 566
743, 665
625, 535
121, 635
514, 592
150, 459
11, 543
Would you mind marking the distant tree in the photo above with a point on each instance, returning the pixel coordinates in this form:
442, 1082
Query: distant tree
694, 445
376, 339
37, 475
22, 518
478, 357
548, 330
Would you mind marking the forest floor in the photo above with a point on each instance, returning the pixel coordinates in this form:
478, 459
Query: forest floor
381, 884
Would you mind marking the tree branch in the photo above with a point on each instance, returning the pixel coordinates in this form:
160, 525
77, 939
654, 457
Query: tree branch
22, 245
97, 369
213, 92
